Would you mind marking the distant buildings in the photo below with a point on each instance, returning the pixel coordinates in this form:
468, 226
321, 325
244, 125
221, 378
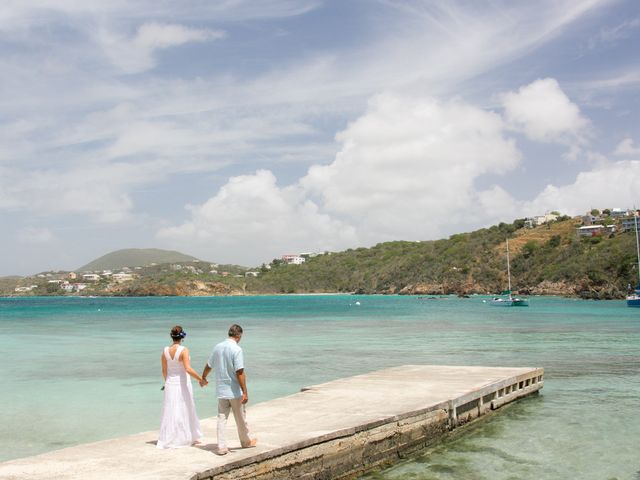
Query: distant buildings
122, 277
537, 220
628, 224
590, 230
620, 213
25, 289
589, 219
609, 221
73, 287
293, 259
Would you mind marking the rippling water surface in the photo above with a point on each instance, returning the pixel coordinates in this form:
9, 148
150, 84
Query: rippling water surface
84, 369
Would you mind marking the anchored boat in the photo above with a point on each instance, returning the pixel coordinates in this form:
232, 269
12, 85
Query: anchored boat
633, 300
507, 299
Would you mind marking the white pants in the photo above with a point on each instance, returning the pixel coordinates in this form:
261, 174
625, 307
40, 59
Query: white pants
225, 405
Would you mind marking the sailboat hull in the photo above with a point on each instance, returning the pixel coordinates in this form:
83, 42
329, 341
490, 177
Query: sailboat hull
510, 302
633, 301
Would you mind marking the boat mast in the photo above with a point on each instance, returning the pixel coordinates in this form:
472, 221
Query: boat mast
635, 220
509, 268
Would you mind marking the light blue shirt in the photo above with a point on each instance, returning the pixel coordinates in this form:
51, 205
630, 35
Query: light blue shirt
225, 360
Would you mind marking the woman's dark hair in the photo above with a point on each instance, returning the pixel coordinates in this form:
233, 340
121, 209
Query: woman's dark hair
177, 333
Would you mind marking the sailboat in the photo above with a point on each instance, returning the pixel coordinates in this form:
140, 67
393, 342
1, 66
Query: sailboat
509, 300
633, 300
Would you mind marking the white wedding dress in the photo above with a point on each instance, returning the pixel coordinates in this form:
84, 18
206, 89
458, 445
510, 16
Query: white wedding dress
179, 426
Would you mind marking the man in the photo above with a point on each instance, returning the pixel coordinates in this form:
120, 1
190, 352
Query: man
231, 387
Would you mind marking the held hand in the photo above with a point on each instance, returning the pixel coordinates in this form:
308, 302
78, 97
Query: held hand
203, 383
245, 398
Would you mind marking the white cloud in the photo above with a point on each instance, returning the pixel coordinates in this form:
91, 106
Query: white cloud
409, 163
607, 185
614, 34
99, 191
25, 14
544, 113
627, 148
406, 170
35, 235
156, 36
251, 220
135, 55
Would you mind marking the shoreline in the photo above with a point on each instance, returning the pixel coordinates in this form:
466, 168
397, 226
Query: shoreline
324, 294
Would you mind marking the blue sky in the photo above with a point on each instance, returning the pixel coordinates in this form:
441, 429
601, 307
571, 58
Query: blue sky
238, 131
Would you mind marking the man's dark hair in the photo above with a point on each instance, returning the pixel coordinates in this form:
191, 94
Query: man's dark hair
235, 330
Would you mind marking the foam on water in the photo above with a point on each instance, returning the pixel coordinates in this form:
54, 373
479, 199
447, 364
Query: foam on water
80, 370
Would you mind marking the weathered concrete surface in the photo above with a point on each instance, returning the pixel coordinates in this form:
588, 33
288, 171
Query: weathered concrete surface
334, 430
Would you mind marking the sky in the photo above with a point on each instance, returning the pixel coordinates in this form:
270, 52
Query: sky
241, 130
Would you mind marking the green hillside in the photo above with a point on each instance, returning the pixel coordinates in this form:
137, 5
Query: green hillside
135, 257
549, 259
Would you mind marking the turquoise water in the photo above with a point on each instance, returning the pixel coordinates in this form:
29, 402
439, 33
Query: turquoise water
84, 369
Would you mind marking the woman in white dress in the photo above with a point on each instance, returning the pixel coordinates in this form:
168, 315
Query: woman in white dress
179, 426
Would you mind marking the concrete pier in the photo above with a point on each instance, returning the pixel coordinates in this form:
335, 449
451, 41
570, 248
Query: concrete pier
330, 431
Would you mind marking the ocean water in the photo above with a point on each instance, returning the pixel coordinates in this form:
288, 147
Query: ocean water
83, 369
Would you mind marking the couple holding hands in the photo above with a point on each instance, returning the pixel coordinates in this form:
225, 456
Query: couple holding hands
180, 426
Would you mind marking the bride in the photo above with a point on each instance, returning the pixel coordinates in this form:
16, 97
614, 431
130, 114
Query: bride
179, 426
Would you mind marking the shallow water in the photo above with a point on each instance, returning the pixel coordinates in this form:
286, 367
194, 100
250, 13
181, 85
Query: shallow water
82, 369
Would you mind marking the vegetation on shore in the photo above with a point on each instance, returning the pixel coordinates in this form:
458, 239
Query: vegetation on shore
549, 259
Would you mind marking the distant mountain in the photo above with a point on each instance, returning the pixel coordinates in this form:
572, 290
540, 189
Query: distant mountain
135, 257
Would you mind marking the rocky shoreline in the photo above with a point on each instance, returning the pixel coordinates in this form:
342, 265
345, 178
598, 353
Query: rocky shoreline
583, 290
198, 288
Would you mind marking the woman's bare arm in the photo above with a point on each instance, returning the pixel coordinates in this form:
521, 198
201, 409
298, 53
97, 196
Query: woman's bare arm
184, 358
164, 365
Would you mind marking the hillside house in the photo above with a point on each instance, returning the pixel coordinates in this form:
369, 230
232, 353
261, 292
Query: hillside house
293, 259
589, 219
619, 213
590, 230
73, 287
537, 220
628, 224
91, 277
24, 289
122, 277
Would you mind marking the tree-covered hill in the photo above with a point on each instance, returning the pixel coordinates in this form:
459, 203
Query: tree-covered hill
549, 259
135, 257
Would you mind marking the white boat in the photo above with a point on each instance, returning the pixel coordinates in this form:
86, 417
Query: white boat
633, 300
507, 299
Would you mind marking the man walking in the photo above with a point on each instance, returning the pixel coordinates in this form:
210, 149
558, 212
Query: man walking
231, 387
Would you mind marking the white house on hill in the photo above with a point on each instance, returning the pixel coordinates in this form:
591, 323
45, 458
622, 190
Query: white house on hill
293, 259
